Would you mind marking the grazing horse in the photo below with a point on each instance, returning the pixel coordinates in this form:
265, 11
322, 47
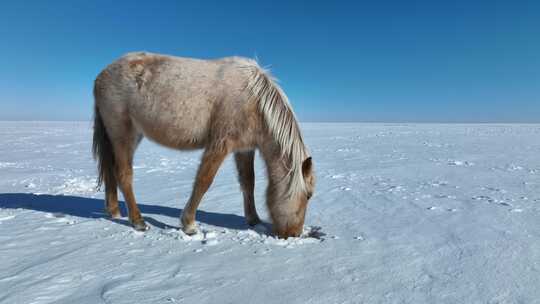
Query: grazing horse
227, 105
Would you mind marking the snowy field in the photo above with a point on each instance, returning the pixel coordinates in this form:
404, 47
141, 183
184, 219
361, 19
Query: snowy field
410, 214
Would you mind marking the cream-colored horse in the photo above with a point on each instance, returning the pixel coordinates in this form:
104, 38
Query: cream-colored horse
222, 106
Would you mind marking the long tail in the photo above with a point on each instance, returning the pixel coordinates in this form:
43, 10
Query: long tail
103, 152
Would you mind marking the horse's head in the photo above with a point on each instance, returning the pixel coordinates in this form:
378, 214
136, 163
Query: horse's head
288, 214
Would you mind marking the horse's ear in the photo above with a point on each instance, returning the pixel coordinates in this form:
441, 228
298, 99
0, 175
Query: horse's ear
307, 167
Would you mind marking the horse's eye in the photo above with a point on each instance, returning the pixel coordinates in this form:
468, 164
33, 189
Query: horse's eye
309, 195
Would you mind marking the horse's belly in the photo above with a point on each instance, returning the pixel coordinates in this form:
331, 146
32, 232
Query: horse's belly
180, 126
174, 137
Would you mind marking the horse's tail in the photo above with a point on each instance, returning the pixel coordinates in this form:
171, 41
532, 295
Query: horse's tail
103, 152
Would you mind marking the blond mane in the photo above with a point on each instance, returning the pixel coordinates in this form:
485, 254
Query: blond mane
281, 121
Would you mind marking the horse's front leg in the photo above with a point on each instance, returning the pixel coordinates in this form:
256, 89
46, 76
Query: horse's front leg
246, 177
211, 161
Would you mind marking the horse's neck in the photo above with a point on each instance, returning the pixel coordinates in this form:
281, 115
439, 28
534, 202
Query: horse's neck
275, 161
278, 167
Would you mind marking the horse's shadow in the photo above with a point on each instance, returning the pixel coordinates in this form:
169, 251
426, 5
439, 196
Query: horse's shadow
94, 208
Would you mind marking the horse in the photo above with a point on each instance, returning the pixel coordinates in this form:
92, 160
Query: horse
226, 105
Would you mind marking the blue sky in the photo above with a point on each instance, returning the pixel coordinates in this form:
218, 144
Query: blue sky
388, 61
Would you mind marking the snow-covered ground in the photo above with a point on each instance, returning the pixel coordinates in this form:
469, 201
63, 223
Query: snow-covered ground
412, 213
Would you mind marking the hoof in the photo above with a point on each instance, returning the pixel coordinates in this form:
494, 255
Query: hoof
254, 221
140, 225
115, 215
188, 226
189, 229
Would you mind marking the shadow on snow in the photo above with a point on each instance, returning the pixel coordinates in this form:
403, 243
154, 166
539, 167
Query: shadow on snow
94, 208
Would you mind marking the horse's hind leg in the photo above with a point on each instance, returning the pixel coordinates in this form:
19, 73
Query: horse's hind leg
246, 176
208, 168
123, 152
111, 198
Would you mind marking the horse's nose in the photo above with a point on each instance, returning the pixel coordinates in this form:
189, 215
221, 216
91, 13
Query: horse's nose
295, 231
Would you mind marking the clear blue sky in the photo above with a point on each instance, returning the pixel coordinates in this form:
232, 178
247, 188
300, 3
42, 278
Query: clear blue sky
391, 61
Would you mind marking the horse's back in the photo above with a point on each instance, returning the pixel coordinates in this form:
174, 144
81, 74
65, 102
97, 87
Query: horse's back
174, 100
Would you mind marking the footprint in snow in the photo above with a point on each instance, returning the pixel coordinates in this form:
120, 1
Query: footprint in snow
313, 232
438, 208
483, 198
493, 189
460, 163
441, 196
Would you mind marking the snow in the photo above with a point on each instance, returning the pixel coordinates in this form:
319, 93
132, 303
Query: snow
403, 213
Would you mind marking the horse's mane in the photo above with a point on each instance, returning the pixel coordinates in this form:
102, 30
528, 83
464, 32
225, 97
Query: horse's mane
278, 114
